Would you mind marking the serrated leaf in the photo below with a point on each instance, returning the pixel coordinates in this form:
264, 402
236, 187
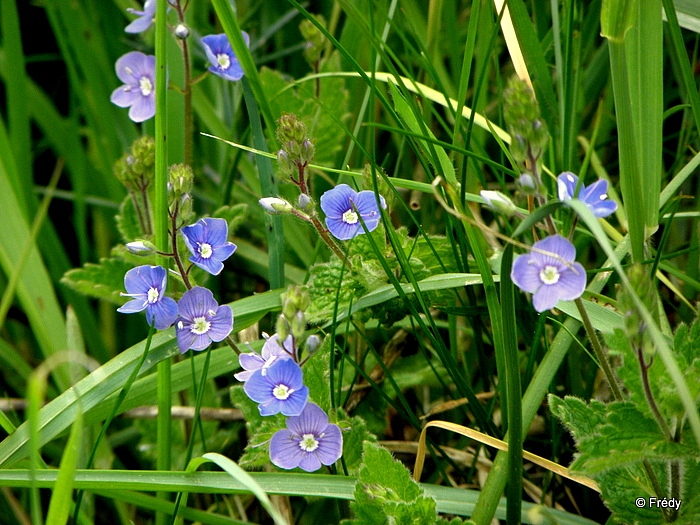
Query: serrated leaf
128, 222
235, 216
260, 429
580, 418
104, 280
385, 492
355, 433
628, 437
317, 376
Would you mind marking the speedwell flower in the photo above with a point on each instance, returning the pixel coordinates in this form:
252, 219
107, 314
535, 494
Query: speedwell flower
271, 351
344, 206
146, 284
137, 71
220, 53
595, 196
308, 442
550, 276
145, 17
201, 320
206, 240
280, 389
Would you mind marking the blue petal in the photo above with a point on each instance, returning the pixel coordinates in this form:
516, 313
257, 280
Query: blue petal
285, 451
337, 201
164, 311
566, 185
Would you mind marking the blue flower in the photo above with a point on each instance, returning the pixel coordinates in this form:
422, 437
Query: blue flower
137, 71
146, 284
145, 17
272, 350
280, 389
201, 320
595, 196
206, 241
220, 53
308, 442
550, 273
344, 206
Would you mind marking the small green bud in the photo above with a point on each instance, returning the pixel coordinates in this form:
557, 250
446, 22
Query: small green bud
529, 135
290, 130
314, 39
313, 342
528, 184
298, 325
498, 202
305, 203
275, 205
180, 179
181, 31
297, 149
282, 328
136, 168
141, 247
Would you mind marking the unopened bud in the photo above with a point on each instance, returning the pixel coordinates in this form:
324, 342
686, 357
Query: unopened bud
141, 247
275, 205
528, 184
313, 342
182, 31
498, 202
305, 203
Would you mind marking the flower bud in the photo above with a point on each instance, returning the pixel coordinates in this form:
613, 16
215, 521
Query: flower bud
182, 31
282, 328
498, 202
313, 342
528, 184
180, 179
141, 247
314, 39
275, 205
305, 203
298, 325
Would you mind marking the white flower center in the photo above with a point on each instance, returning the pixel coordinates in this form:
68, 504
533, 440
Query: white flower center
350, 217
308, 443
205, 250
200, 325
153, 295
224, 61
146, 86
282, 392
549, 274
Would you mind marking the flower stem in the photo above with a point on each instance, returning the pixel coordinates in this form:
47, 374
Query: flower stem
599, 352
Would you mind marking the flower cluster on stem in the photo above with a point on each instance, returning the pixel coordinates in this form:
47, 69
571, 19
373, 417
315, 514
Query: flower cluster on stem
274, 379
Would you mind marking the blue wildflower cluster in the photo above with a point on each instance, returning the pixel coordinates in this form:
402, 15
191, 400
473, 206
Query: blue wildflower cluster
274, 379
198, 318
549, 270
138, 70
349, 213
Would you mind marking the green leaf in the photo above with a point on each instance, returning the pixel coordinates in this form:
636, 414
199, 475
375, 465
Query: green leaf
260, 429
628, 437
104, 280
128, 222
385, 492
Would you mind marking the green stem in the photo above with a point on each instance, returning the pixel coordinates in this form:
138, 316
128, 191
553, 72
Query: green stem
599, 352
